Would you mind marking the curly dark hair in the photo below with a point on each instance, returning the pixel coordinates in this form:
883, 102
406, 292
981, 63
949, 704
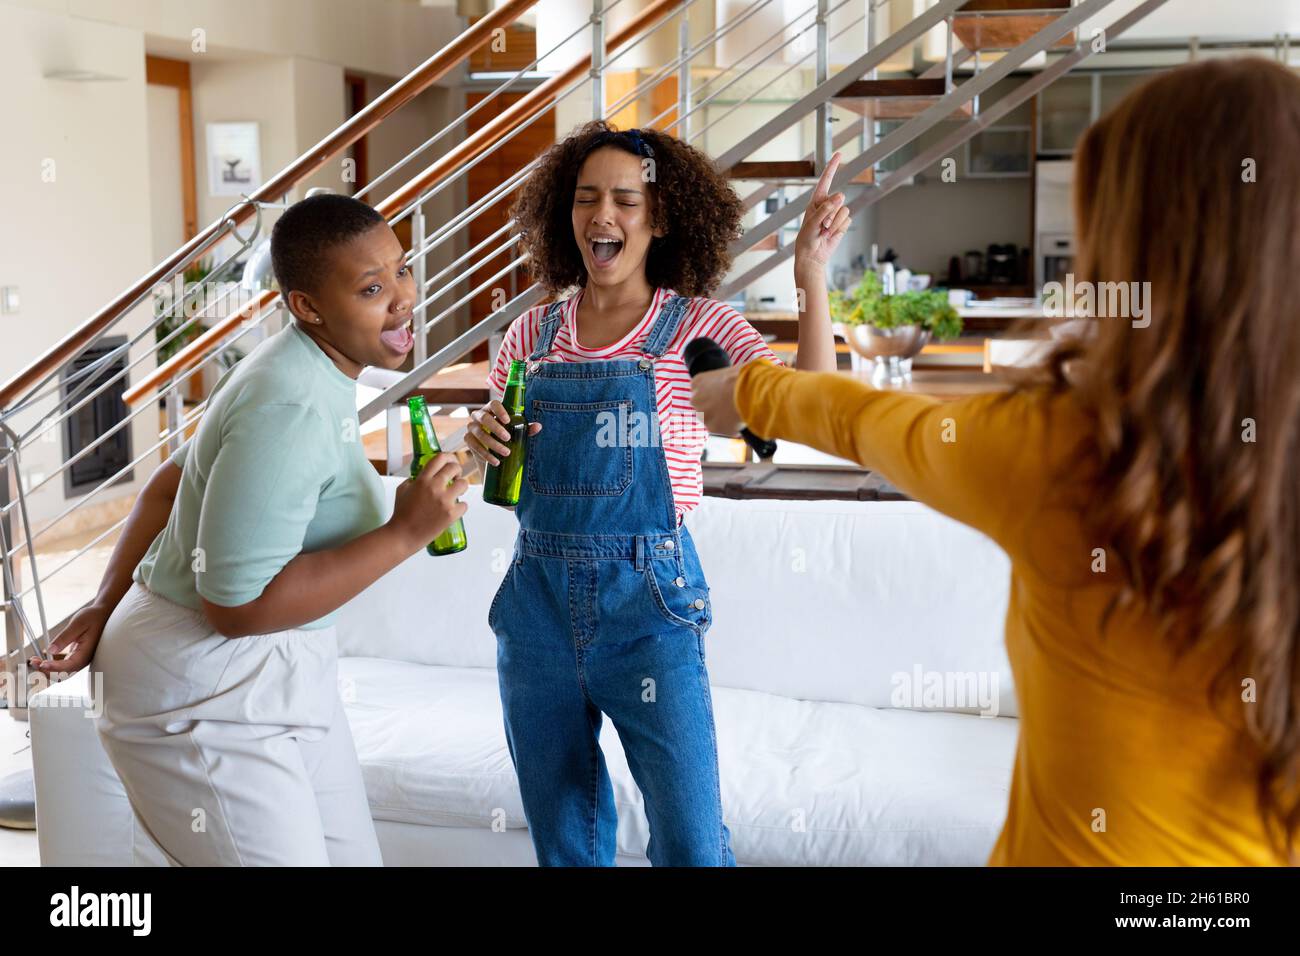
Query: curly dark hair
691, 203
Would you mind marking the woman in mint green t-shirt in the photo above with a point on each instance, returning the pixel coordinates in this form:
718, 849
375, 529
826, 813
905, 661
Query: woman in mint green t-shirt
220, 708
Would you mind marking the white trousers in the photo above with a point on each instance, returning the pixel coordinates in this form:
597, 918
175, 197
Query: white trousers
233, 751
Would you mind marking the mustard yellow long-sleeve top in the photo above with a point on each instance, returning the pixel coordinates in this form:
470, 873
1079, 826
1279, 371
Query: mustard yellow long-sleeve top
1121, 759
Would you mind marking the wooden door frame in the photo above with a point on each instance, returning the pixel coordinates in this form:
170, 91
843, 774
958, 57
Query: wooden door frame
160, 71
355, 86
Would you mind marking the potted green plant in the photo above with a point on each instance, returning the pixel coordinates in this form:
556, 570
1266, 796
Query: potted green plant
173, 317
889, 330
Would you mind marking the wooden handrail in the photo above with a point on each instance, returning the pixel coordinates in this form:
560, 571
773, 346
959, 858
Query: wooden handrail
522, 110
402, 92
469, 149
193, 353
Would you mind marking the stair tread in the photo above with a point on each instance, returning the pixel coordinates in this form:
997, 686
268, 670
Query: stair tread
907, 87
903, 107
1002, 30
1004, 6
772, 168
791, 169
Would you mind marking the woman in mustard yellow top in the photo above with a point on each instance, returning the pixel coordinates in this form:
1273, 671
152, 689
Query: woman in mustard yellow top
1145, 483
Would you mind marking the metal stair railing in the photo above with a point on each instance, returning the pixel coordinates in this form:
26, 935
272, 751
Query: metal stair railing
1063, 23
37, 401
928, 157
439, 176
251, 314
471, 338
941, 13
825, 90
425, 75
912, 129
409, 198
253, 308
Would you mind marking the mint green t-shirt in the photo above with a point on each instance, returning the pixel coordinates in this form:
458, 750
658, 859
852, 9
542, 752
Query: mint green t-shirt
275, 468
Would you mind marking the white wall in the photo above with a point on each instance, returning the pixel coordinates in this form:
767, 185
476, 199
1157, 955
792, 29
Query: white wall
380, 36
1254, 19
73, 243
727, 124
319, 109
932, 220
257, 90
415, 123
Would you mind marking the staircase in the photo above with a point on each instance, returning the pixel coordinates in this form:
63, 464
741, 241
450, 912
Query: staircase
38, 401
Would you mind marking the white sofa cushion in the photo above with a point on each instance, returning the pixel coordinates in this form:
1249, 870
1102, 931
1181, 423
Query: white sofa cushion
847, 601
433, 610
803, 782
817, 600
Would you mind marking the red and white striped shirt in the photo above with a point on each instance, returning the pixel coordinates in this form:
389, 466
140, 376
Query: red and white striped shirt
682, 433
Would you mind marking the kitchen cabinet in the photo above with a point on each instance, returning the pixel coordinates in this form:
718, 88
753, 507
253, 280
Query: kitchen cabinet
1115, 87
1065, 110
1000, 152
1077, 100
899, 157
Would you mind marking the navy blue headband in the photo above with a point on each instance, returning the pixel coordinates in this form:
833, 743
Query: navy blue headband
630, 138
640, 145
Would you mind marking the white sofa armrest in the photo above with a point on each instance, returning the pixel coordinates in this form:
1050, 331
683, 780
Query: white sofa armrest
83, 817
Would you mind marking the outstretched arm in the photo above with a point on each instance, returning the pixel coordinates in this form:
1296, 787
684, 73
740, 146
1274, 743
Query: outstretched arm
825, 222
153, 506
978, 460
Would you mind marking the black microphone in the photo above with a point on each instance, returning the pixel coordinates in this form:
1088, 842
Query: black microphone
706, 355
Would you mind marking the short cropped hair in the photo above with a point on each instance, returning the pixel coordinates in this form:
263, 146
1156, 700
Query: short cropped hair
308, 229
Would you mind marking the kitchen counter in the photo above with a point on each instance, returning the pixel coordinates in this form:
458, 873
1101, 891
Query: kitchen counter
986, 319
464, 384
944, 384
1034, 311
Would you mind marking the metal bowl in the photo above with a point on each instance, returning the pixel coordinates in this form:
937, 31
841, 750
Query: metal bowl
903, 342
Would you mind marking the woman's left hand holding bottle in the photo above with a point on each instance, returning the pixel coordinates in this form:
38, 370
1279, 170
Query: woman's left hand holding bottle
488, 424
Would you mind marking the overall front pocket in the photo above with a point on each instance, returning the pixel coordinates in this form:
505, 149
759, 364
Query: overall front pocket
680, 600
496, 599
584, 448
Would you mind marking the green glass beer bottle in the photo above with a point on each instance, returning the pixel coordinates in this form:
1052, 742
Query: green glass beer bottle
424, 445
501, 483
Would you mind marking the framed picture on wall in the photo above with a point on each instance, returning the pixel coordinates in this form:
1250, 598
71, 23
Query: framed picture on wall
234, 158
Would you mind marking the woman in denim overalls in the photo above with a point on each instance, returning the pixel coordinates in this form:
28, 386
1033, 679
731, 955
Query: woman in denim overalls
604, 607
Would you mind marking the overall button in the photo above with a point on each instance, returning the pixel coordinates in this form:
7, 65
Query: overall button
667, 546
699, 604
680, 582
645, 363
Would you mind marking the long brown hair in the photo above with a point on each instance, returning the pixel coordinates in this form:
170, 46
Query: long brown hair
1192, 183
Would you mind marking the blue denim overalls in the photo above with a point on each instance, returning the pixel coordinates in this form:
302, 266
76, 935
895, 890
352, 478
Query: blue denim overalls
604, 609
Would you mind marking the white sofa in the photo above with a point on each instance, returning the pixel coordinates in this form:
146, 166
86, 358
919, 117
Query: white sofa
835, 626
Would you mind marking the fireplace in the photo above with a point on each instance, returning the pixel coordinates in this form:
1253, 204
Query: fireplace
94, 418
